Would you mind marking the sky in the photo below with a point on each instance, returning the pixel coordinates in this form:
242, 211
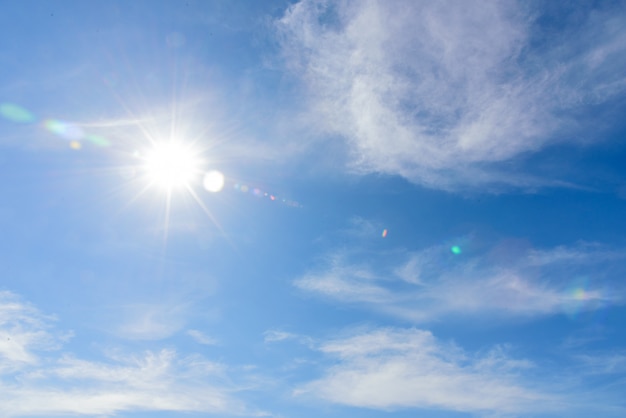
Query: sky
312, 208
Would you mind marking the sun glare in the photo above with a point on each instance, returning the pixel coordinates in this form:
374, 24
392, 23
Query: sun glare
171, 165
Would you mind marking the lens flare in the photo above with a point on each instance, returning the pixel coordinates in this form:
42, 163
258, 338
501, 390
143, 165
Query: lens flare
455, 249
213, 181
256, 192
98, 140
65, 130
16, 113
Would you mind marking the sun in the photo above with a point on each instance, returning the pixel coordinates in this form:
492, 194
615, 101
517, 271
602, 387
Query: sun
171, 165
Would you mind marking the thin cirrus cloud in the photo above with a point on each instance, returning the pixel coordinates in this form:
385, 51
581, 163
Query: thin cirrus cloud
37, 381
392, 368
435, 282
152, 321
22, 329
443, 92
201, 338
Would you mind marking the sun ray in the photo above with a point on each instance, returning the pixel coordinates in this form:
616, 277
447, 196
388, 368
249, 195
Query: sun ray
166, 221
136, 197
207, 212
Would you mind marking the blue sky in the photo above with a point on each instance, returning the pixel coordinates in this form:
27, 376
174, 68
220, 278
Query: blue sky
313, 208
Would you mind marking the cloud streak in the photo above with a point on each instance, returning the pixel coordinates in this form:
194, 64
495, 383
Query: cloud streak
443, 93
23, 329
434, 283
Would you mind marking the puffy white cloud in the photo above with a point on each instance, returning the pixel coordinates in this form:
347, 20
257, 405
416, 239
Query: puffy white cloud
442, 92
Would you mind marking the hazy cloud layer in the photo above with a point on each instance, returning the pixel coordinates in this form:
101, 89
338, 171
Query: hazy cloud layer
435, 282
35, 380
441, 92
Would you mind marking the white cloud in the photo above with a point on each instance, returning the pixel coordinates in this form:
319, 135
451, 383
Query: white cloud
201, 338
441, 92
159, 381
434, 282
393, 368
603, 363
152, 321
584, 253
35, 382
23, 329
273, 336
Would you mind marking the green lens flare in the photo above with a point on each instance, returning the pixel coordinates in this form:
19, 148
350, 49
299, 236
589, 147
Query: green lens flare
98, 140
16, 113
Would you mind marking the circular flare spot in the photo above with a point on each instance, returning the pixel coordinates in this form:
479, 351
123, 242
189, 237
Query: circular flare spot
213, 181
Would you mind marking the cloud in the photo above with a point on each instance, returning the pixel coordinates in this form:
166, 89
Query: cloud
85, 387
36, 382
201, 338
435, 282
275, 336
23, 329
392, 368
603, 363
152, 321
443, 93
159, 381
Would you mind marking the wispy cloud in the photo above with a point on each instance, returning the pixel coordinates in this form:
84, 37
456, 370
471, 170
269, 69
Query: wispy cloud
442, 92
152, 321
159, 381
436, 282
22, 329
605, 363
37, 381
391, 368
201, 338
274, 336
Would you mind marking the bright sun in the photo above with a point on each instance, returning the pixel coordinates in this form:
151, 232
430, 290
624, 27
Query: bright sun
171, 165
